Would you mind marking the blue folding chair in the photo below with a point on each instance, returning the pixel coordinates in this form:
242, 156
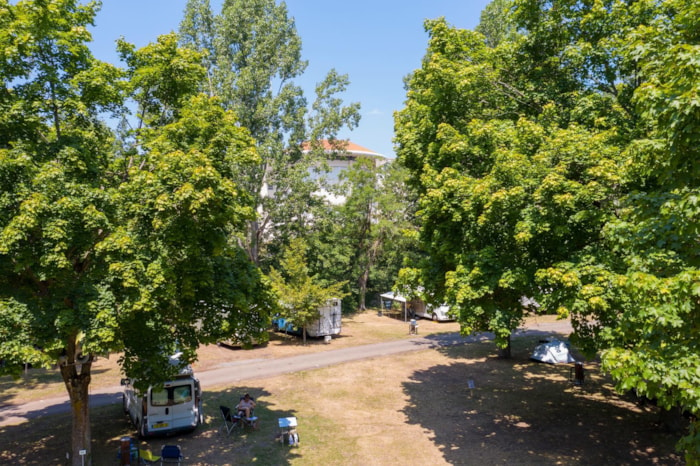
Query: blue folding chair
170, 454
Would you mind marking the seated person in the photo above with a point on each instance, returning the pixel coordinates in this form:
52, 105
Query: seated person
246, 405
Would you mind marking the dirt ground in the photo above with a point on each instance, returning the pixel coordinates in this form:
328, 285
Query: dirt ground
414, 408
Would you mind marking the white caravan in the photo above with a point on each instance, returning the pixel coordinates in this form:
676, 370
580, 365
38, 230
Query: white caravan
328, 323
329, 320
177, 407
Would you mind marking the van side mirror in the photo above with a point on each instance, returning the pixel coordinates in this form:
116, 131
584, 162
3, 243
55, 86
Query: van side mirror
125, 381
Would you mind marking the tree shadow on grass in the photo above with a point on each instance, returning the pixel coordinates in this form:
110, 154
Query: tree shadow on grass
523, 412
291, 339
11, 388
46, 439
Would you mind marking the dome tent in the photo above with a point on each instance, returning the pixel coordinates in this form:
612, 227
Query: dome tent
552, 351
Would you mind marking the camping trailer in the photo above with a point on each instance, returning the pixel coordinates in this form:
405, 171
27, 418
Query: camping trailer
327, 324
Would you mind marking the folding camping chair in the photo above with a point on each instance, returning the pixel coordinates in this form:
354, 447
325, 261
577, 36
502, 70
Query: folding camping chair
170, 454
146, 456
230, 421
251, 421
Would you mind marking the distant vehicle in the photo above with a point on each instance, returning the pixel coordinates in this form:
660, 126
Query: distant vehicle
254, 332
327, 324
247, 341
416, 307
428, 311
177, 407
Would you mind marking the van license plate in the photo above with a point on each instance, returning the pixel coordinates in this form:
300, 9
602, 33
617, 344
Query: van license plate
160, 425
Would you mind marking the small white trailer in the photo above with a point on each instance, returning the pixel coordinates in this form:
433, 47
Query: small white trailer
329, 321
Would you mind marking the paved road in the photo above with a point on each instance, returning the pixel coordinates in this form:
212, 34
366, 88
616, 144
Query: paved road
234, 372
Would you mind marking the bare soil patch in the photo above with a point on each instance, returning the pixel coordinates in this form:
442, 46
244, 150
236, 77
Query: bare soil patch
414, 408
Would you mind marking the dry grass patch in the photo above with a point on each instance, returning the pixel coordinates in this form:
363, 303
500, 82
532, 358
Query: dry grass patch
359, 329
413, 408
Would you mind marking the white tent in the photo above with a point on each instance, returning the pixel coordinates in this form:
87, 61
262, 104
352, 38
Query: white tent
552, 352
391, 297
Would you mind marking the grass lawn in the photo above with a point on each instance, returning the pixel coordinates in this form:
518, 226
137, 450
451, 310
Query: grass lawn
413, 408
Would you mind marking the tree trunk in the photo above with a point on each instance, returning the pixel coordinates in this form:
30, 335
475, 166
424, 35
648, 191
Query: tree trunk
77, 385
253, 244
362, 284
303, 333
505, 353
76, 376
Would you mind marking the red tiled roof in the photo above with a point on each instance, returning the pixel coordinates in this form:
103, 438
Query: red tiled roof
348, 145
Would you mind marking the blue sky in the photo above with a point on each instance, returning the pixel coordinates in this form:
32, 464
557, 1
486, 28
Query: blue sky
376, 43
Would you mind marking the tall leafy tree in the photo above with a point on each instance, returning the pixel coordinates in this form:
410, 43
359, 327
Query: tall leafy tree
256, 58
103, 251
300, 293
54, 208
502, 194
375, 214
178, 276
561, 164
637, 298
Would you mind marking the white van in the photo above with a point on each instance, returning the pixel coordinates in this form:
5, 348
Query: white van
177, 407
436, 313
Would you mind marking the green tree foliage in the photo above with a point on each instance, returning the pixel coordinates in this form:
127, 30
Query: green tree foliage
642, 288
104, 250
179, 280
506, 181
256, 57
367, 233
561, 164
53, 206
300, 294
375, 214
495, 23
197, 32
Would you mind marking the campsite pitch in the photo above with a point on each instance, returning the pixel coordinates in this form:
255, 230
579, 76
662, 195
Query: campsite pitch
413, 408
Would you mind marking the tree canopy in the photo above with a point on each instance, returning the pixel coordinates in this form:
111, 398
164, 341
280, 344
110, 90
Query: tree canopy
108, 246
301, 294
253, 55
560, 163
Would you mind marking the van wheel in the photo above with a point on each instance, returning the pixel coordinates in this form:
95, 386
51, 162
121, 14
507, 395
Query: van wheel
435, 319
140, 429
